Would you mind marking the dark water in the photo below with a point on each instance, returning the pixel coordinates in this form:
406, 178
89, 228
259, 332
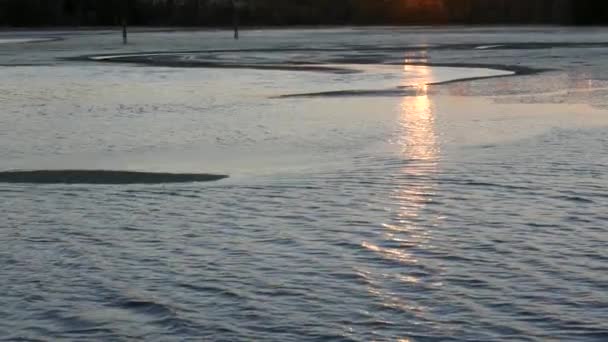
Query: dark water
392, 248
101, 177
426, 218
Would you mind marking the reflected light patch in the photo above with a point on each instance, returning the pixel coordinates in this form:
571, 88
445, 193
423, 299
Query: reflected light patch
409, 279
419, 140
391, 253
419, 147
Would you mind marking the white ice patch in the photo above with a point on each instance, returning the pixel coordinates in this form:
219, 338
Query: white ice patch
486, 47
23, 40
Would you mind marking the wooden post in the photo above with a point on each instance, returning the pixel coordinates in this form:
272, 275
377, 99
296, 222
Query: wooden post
125, 10
124, 31
235, 19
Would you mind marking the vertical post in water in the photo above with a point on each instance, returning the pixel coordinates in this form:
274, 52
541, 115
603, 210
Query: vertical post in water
124, 11
235, 19
124, 31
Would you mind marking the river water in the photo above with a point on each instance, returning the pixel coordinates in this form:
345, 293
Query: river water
386, 202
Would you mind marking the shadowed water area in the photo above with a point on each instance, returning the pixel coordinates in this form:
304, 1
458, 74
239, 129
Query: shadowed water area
101, 177
385, 184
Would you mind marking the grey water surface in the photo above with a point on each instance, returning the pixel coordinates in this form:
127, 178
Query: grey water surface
410, 207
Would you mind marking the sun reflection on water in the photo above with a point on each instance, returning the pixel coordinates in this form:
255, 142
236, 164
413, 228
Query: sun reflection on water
419, 149
417, 120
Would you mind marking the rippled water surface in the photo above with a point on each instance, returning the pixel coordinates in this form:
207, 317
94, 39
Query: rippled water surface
393, 205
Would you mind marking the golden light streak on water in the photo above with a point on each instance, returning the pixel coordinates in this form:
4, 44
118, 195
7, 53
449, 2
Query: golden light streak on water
419, 148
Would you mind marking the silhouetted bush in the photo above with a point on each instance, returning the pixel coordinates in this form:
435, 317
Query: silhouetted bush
302, 12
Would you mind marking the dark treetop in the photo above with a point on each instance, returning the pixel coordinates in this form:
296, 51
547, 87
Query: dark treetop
301, 12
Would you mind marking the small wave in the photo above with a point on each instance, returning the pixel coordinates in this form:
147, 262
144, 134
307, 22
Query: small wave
148, 307
102, 177
575, 199
157, 313
211, 290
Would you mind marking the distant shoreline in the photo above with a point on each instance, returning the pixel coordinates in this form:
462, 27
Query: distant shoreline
138, 28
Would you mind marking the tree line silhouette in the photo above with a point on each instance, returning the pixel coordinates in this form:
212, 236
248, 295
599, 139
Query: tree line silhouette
300, 12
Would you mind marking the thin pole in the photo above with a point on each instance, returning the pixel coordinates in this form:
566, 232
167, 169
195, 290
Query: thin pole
124, 11
124, 31
235, 20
